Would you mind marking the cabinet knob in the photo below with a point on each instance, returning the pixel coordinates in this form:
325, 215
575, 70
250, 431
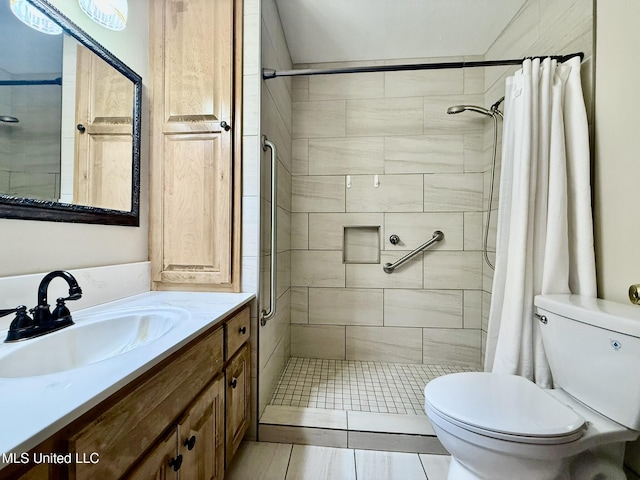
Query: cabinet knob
176, 463
81, 128
243, 330
190, 442
225, 125
233, 383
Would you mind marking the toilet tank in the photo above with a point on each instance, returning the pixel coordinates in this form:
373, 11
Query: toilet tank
593, 348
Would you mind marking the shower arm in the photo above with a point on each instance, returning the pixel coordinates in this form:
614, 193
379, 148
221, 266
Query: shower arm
390, 267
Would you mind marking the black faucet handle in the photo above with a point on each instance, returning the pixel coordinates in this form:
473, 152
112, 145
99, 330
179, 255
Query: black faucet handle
20, 325
61, 310
19, 308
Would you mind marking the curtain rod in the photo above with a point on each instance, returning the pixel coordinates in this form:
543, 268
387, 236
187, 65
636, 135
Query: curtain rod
268, 73
55, 81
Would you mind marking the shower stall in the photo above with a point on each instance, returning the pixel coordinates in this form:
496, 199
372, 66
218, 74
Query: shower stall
368, 166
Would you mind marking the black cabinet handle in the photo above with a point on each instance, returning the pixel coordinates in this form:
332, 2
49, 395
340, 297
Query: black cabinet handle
233, 383
81, 128
176, 463
190, 442
243, 330
225, 126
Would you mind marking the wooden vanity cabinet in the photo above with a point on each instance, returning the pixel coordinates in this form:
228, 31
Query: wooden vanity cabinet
184, 419
194, 449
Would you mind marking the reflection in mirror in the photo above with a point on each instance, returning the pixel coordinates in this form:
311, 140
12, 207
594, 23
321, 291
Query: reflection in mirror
69, 126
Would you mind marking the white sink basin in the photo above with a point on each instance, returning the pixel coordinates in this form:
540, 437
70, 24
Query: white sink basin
92, 339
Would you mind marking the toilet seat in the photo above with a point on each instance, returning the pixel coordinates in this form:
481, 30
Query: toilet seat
505, 407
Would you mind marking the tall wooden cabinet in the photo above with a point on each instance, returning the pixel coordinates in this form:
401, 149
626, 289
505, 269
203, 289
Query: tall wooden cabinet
195, 146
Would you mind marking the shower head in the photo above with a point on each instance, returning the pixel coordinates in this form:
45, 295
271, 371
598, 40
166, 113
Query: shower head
8, 119
471, 108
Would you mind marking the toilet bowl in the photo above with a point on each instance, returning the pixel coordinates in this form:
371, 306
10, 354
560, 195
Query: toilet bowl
504, 427
499, 426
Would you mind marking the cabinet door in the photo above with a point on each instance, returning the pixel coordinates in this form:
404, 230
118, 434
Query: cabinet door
238, 377
41, 472
160, 463
201, 436
192, 182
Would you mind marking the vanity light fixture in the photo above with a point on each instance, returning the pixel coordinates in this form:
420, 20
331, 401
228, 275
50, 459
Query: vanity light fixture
111, 14
31, 16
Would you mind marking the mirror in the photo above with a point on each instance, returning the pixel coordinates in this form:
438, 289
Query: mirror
70, 115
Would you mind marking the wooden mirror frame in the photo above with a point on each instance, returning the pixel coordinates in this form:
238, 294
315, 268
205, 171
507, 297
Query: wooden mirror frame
31, 209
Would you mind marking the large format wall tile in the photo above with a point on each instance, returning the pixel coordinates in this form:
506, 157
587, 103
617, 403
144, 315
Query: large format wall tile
299, 231
424, 82
300, 156
299, 305
344, 87
386, 344
317, 268
340, 306
317, 194
379, 117
319, 119
318, 341
451, 346
395, 193
453, 270
424, 154
346, 156
473, 309
453, 192
423, 308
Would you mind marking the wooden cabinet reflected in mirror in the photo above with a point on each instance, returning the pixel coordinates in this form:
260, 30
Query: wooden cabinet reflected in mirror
103, 146
69, 126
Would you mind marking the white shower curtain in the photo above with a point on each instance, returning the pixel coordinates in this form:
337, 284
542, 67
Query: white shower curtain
545, 233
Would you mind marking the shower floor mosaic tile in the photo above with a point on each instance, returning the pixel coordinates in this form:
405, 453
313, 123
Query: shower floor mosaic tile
357, 386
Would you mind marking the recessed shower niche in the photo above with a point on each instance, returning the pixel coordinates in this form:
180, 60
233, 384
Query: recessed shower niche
361, 244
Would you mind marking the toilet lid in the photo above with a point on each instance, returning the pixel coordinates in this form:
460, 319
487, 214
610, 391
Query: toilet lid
503, 406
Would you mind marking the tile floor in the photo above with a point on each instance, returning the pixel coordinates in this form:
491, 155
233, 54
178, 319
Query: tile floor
357, 386
281, 461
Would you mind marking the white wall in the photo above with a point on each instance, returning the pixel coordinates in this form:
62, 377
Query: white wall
617, 147
35, 246
617, 161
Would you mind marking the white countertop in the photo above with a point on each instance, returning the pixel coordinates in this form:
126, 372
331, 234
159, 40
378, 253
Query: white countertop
34, 408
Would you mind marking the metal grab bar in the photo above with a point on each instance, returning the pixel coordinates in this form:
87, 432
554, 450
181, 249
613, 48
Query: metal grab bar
390, 267
269, 314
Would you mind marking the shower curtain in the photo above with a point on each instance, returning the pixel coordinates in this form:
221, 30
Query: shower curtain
545, 234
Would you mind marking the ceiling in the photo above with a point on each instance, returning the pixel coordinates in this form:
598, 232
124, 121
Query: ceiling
25, 50
353, 30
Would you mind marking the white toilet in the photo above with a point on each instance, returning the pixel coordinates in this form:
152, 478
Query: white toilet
504, 427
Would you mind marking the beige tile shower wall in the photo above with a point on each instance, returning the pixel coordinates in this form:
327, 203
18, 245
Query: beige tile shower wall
542, 27
348, 129
275, 123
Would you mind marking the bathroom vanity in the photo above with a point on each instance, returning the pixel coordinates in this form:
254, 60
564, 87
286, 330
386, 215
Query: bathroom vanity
175, 407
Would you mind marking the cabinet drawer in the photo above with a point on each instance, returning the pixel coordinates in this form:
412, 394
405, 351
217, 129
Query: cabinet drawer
237, 332
123, 432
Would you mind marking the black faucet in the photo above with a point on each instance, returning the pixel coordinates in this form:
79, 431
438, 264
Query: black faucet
44, 321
